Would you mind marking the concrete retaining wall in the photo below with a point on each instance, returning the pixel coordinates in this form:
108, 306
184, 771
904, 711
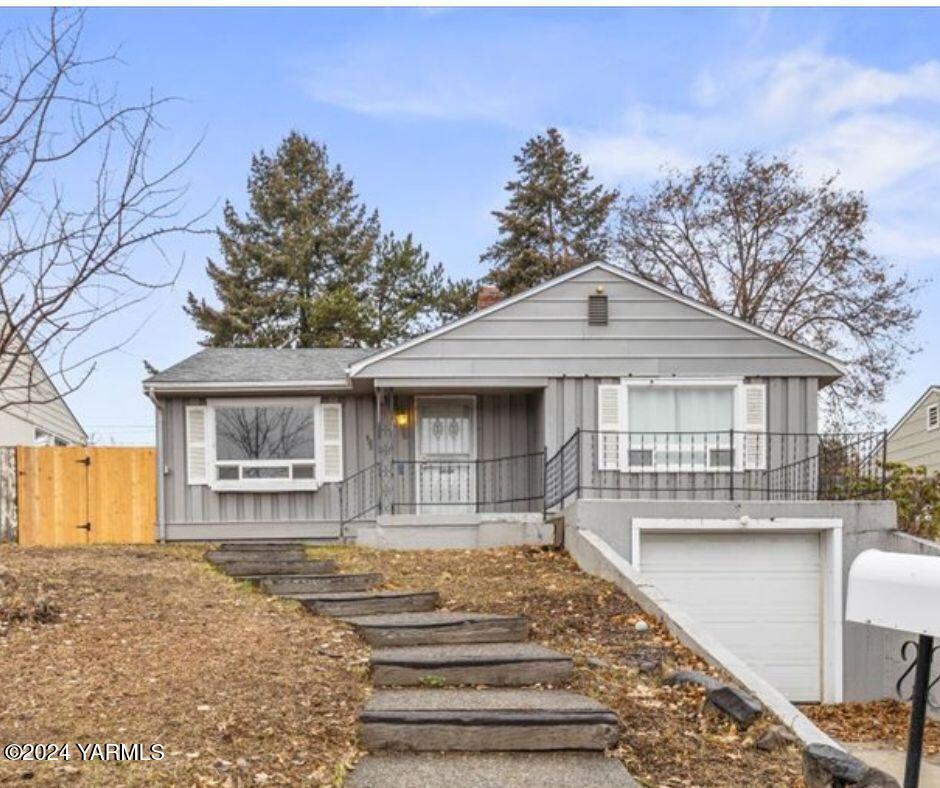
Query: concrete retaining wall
871, 657
454, 531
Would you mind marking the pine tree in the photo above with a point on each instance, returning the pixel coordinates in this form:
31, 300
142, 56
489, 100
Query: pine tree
307, 266
555, 219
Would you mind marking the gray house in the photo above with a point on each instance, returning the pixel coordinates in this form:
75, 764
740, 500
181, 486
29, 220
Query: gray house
685, 438
915, 439
664, 395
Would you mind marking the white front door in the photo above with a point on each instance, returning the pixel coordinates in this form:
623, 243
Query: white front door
759, 593
445, 449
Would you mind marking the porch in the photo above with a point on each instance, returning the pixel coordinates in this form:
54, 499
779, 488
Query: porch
592, 464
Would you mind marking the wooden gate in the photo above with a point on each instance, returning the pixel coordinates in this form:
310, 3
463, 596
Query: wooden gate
85, 495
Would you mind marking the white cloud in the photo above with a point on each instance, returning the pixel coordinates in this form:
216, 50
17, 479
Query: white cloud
879, 129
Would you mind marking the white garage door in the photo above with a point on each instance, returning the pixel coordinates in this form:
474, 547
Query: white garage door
760, 594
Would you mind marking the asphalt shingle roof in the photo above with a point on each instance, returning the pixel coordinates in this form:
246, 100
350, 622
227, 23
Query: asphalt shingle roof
261, 365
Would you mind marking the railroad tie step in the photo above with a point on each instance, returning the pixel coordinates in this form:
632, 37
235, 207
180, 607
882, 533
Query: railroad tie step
313, 584
361, 603
495, 664
256, 546
439, 627
486, 720
251, 569
224, 557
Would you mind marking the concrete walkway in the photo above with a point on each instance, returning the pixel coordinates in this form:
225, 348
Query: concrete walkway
891, 760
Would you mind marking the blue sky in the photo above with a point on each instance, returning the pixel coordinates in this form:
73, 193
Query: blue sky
425, 109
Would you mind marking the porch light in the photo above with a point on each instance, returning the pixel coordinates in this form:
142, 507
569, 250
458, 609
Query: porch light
401, 419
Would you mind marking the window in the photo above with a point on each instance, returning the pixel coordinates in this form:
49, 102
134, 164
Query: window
264, 445
933, 416
681, 425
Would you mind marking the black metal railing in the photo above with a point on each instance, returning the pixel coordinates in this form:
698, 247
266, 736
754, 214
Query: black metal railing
503, 484
718, 465
563, 473
359, 495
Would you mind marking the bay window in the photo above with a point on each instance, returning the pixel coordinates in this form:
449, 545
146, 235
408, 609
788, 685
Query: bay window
279, 444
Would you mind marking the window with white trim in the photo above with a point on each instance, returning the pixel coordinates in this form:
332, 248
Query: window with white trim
277, 444
681, 425
933, 416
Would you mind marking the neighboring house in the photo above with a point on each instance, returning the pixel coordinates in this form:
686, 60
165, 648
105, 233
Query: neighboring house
32, 411
915, 439
597, 395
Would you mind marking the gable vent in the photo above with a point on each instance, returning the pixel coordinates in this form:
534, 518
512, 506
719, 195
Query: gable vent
597, 310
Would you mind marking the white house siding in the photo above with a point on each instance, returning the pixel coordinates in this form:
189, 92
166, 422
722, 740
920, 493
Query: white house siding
911, 443
49, 413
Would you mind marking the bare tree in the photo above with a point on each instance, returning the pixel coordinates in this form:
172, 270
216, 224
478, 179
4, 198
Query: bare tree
78, 201
753, 240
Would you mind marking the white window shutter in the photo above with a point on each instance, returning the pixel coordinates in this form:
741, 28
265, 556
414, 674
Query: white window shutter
755, 426
331, 464
197, 445
609, 421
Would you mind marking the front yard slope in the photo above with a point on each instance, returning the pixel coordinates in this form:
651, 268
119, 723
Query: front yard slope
667, 739
152, 645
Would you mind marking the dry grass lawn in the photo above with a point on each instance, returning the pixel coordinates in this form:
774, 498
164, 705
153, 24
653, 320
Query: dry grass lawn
151, 645
667, 739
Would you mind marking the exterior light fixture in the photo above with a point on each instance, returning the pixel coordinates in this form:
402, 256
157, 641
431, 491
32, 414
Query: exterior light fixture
401, 419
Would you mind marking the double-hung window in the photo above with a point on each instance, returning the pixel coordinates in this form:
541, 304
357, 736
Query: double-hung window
276, 444
681, 425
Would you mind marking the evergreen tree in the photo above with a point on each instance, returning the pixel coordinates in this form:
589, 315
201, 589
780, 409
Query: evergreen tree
555, 220
307, 265
295, 266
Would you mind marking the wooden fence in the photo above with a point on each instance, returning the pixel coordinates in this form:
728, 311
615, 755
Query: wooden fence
67, 495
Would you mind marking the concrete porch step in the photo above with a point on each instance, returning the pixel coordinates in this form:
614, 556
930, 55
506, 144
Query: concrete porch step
233, 556
496, 664
362, 603
247, 569
439, 627
486, 720
312, 584
489, 770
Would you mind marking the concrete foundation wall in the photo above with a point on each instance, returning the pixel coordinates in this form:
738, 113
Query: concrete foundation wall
455, 531
871, 657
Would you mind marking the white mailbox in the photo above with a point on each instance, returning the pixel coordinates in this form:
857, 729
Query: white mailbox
896, 591
902, 592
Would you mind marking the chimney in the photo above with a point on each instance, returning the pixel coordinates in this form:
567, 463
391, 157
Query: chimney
488, 295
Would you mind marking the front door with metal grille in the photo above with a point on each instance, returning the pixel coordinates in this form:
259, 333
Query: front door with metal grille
446, 450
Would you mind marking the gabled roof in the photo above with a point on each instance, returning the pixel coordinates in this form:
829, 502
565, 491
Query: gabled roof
920, 401
361, 364
259, 368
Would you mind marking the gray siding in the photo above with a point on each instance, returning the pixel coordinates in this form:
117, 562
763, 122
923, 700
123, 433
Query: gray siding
911, 443
198, 504
27, 380
571, 403
648, 334
507, 424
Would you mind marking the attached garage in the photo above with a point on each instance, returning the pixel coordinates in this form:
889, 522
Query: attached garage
766, 593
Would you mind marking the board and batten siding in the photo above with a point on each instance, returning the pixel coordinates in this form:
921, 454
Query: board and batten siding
547, 335
912, 443
197, 504
571, 404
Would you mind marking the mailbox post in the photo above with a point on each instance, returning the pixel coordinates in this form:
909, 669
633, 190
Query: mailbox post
901, 592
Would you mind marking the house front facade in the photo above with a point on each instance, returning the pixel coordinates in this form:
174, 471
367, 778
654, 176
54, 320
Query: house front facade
597, 383
685, 438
